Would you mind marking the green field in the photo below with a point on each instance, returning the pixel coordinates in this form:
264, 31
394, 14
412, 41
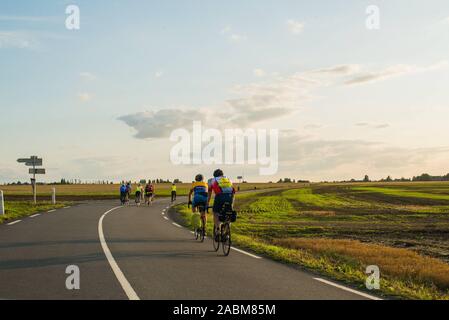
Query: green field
339, 229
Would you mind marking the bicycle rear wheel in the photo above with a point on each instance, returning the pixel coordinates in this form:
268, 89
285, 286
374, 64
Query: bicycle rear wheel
226, 239
214, 240
196, 234
202, 234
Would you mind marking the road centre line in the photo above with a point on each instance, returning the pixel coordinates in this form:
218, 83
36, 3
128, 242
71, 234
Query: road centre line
132, 295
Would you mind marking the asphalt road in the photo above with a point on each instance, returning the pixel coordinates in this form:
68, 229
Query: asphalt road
139, 253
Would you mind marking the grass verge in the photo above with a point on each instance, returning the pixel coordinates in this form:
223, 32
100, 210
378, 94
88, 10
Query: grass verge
18, 209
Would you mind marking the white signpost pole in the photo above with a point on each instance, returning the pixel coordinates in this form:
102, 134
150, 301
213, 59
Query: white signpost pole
53, 196
2, 203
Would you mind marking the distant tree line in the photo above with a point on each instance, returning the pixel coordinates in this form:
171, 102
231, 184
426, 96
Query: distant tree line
428, 177
422, 177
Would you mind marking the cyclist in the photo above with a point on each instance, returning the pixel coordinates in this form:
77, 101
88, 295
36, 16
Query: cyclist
149, 191
224, 192
128, 192
139, 192
123, 193
199, 191
173, 192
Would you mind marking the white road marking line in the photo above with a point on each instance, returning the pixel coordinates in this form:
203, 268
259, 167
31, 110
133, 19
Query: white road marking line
51, 210
14, 222
35, 215
165, 218
247, 253
163, 213
348, 289
66, 207
132, 295
192, 232
175, 224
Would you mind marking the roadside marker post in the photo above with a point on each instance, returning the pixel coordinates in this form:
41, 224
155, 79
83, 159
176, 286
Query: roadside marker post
2, 203
53, 196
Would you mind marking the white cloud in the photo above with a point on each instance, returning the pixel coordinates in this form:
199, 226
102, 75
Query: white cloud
16, 39
88, 76
393, 71
343, 69
160, 123
372, 125
231, 34
340, 159
84, 97
158, 74
259, 72
27, 18
295, 27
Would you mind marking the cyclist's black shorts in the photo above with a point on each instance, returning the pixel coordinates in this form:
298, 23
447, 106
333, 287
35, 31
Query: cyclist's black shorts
220, 200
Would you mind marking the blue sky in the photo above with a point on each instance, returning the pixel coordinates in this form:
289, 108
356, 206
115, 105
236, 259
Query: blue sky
63, 92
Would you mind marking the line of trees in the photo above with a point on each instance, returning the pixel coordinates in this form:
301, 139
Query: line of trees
422, 177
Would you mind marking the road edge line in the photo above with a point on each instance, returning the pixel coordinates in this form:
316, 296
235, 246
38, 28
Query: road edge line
347, 289
126, 286
12, 223
247, 253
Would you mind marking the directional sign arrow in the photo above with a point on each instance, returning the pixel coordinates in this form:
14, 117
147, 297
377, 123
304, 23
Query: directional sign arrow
37, 171
37, 162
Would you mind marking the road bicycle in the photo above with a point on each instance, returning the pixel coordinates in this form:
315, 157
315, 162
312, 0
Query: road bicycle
200, 230
226, 216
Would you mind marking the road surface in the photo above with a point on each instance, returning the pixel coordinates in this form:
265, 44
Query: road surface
139, 253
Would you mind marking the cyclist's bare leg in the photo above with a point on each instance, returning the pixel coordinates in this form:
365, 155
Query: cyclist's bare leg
216, 223
203, 220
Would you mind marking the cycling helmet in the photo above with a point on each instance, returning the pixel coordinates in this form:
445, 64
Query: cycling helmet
218, 173
199, 177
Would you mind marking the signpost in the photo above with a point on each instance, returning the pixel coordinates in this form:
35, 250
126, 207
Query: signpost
33, 161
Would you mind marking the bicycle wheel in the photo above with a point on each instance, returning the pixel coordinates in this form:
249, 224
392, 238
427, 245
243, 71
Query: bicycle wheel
203, 230
202, 234
214, 240
196, 234
226, 238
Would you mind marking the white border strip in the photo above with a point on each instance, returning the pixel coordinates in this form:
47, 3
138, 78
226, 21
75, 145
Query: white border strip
132, 295
348, 289
175, 224
14, 222
51, 210
247, 253
35, 215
